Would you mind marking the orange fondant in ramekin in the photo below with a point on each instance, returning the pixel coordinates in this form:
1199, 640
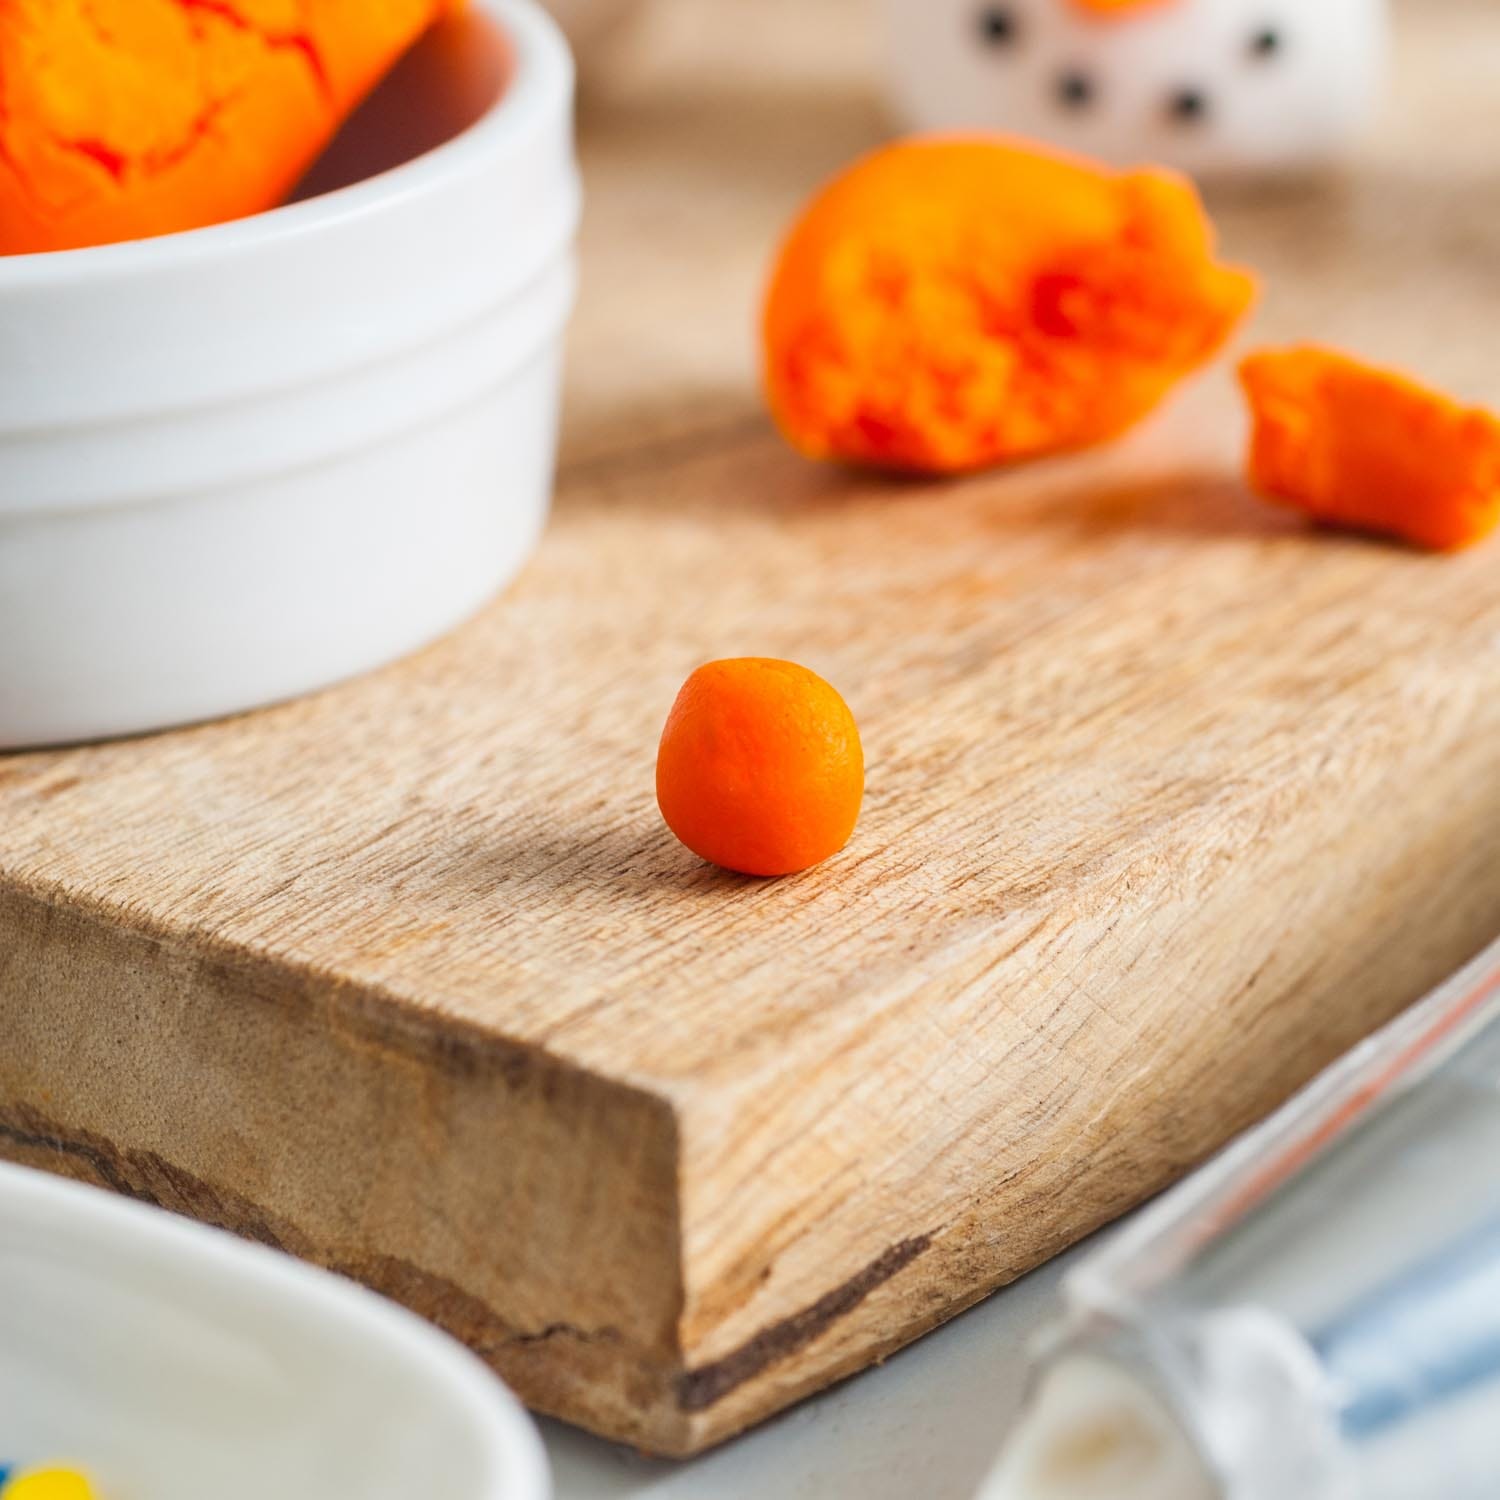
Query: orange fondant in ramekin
121, 119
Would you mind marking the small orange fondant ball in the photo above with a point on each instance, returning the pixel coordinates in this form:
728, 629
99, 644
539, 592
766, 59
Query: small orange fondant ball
760, 767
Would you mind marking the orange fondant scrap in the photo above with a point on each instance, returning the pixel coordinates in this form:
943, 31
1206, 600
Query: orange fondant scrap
1357, 446
948, 304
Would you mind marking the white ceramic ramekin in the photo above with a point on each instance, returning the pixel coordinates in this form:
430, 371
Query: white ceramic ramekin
175, 1362
249, 460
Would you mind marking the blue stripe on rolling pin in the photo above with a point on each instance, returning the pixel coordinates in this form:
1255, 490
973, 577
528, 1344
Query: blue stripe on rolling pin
1422, 1339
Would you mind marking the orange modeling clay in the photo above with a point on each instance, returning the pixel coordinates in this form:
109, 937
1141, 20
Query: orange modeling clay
760, 767
1365, 448
947, 304
126, 118
1117, 10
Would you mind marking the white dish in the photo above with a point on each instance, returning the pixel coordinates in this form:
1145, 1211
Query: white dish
249, 460
174, 1362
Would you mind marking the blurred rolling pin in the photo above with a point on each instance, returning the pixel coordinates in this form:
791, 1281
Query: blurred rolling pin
1313, 1316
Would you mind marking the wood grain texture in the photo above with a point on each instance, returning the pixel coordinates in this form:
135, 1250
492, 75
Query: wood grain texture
1169, 801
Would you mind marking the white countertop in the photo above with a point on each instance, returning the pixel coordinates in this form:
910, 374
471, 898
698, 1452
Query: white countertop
926, 1425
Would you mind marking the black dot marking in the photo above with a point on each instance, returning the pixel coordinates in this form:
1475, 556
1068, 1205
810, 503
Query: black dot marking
1076, 90
1266, 44
998, 26
1188, 106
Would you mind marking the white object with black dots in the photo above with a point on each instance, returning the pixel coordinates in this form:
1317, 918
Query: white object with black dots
1215, 87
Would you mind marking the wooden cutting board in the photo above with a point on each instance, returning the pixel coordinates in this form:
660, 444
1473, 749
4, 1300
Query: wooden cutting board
1170, 800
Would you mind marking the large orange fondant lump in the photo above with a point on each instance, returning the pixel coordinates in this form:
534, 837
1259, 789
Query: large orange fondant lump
121, 119
947, 304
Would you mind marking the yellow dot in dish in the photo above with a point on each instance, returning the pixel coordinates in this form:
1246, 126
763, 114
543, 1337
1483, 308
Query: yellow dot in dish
48, 1484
